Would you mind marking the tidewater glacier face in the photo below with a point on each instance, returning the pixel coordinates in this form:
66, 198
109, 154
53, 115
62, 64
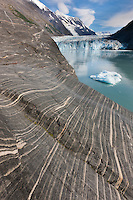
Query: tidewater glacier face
87, 43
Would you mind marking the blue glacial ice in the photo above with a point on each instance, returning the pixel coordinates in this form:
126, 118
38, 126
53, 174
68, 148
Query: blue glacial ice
107, 77
87, 43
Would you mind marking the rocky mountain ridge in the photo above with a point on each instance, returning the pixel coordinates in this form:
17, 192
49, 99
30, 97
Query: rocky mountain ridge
125, 36
65, 24
74, 25
49, 16
59, 139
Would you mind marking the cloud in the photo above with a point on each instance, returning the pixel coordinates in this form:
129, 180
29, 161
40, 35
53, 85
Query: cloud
63, 5
63, 8
98, 1
86, 15
120, 19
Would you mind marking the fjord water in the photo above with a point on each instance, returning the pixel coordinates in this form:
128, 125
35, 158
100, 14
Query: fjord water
89, 58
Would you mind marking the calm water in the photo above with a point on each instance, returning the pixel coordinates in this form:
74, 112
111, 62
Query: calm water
87, 62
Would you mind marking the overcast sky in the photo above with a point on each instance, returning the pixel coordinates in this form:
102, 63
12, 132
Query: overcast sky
99, 15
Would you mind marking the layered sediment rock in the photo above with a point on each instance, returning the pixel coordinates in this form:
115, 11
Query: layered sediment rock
59, 139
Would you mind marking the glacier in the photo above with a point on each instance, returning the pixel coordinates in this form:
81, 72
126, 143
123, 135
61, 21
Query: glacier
94, 45
87, 43
91, 55
107, 77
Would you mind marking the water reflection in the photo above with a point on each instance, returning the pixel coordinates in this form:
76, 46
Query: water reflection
87, 61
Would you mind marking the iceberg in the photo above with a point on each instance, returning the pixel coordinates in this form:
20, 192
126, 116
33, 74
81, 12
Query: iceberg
107, 77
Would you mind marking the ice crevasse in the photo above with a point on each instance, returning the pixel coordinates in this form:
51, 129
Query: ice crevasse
107, 77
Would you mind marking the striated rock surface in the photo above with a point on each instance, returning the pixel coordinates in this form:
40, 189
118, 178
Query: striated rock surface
49, 16
59, 139
63, 24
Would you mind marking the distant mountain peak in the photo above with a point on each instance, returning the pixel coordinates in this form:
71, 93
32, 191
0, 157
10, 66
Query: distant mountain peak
74, 24
125, 35
60, 14
65, 24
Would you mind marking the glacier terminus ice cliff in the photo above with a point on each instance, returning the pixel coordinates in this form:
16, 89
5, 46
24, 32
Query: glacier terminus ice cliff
105, 59
60, 139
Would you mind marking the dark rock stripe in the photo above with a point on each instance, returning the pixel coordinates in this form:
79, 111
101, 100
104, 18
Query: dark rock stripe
59, 139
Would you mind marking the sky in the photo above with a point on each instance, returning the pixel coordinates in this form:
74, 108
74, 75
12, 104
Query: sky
98, 15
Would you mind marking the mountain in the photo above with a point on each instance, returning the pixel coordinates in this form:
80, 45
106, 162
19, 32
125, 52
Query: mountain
65, 24
125, 36
59, 139
48, 15
103, 33
74, 25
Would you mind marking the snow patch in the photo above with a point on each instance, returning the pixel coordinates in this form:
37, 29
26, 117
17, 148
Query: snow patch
107, 77
68, 22
51, 16
40, 5
73, 24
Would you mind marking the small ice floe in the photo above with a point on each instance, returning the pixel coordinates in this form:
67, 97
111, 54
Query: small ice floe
107, 77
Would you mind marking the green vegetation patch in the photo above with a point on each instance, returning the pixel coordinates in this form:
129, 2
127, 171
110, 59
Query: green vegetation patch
48, 29
20, 15
55, 29
51, 28
37, 124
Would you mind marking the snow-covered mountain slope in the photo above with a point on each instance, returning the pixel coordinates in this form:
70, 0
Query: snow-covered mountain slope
51, 17
65, 24
39, 4
74, 24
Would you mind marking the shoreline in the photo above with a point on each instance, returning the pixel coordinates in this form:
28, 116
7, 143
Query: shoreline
60, 139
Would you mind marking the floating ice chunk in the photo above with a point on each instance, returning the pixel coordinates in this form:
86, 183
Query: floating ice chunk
107, 77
